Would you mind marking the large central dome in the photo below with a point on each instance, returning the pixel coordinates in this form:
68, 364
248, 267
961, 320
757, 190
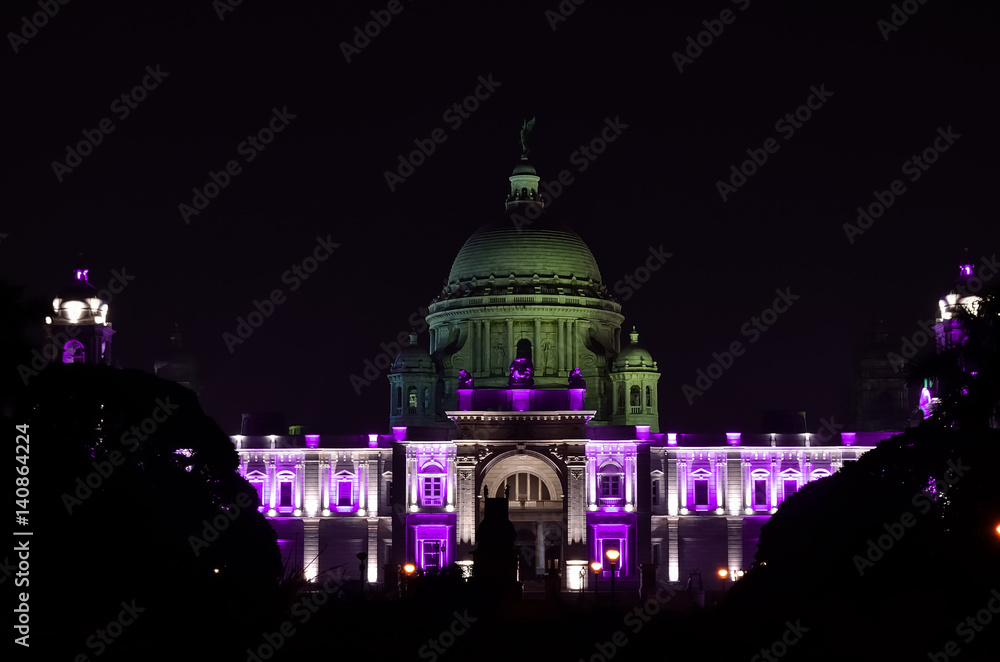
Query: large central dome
502, 249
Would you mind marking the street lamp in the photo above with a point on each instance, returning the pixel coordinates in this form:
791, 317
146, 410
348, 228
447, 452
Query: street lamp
723, 573
612, 555
596, 567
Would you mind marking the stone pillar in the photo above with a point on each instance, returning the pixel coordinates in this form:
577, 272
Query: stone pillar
673, 556
537, 355
510, 346
561, 348
487, 363
540, 548
734, 529
576, 496
310, 547
373, 560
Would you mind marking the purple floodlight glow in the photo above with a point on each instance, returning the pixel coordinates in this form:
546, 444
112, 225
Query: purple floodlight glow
520, 399
965, 269
81, 274
925, 401
671, 439
312, 441
464, 399
642, 432
373, 440
576, 398
848, 438
733, 438
399, 433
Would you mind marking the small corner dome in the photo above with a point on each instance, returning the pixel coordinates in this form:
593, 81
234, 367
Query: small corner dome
634, 356
412, 357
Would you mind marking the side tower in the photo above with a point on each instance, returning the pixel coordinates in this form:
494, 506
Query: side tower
633, 378
79, 330
413, 383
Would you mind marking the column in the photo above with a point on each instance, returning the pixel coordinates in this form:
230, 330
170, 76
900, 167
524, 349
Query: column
487, 363
673, 563
537, 356
510, 345
472, 341
561, 348
628, 479
540, 547
373, 559
272, 470
734, 529
310, 547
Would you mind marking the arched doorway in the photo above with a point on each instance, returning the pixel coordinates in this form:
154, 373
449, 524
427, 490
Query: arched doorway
536, 506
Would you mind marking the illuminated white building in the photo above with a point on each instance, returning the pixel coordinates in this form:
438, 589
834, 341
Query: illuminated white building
527, 386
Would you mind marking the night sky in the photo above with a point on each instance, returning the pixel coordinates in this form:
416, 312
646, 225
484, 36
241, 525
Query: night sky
323, 175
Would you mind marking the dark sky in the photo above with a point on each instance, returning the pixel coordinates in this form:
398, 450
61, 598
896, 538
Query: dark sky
656, 184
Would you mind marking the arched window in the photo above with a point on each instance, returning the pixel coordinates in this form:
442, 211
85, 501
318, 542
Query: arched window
649, 396
523, 349
621, 398
411, 400
427, 400
73, 352
634, 398
610, 482
527, 486
399, 399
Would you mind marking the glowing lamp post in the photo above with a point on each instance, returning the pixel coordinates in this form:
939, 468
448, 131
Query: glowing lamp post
408, 571
612, 555
723, 573
596, 567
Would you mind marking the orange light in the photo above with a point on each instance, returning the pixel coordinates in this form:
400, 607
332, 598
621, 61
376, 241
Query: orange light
595, 566
998, 529
723, 573
409, 568
612, 555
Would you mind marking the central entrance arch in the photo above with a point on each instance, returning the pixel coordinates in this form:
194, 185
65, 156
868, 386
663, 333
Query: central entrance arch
536, 506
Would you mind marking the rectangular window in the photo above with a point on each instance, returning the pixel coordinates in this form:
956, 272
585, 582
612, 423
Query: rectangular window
285, 493
656, 492
259, 486
433, 490
656, 554
791, 487
388, 493
760, 493
610, 486
701, 492
344, 493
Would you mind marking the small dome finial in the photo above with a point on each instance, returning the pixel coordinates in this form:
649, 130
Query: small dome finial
633, 336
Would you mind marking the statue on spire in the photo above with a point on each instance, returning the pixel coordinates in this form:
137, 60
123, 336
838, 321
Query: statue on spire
526, 127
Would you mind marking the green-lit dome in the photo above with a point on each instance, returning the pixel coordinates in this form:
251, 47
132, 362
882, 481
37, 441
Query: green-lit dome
503, 249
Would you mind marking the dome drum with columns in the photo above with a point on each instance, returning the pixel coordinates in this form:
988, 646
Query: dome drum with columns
531, 290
